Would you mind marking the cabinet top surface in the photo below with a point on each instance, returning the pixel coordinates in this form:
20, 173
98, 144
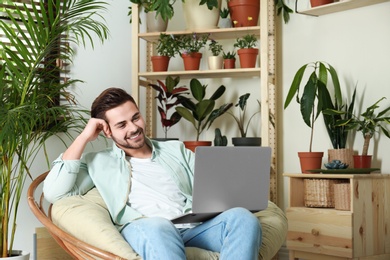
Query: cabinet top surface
336, 176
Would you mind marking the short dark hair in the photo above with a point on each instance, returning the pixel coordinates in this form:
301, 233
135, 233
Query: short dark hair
109, 99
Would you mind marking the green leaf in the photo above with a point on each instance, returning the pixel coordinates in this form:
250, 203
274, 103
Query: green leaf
197, 89
294, 88
307, 100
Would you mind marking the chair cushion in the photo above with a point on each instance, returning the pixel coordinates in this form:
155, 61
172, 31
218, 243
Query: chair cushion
86, 218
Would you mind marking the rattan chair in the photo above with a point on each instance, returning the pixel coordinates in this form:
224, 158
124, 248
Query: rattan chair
70, 244
273, 220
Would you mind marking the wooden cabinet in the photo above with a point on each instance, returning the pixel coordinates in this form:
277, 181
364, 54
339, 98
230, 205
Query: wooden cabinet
263, 76
339, 6
326, 233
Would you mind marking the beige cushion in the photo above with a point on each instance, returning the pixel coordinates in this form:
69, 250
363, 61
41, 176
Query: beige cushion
86, 218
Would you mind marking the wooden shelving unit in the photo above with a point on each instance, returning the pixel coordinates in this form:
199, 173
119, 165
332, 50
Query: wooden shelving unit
264, 75
339, 7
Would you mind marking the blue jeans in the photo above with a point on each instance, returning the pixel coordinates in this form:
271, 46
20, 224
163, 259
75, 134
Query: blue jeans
235, 234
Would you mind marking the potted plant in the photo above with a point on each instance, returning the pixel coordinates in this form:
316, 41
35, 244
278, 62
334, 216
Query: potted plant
368, 123
224, 20
244, 12
313, 100
169, 96
338, 134
166, 49
157, 13
315, 3
162, 11
243, 124
201, 14
200, 112
229, 60
247, 53
215, 61
189, 47
30, 90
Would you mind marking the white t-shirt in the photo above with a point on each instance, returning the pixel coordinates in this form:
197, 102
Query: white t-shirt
153, 191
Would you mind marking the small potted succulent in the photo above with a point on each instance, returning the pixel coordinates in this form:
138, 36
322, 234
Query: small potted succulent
243, 123
224, 20
166, 49
169, 96
247, 51
189, 47
201, 112
229, 60
215, 61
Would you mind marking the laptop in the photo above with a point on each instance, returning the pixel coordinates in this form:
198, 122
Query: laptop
226, 177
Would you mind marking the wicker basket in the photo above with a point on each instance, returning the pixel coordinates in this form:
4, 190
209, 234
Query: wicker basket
342, 196
319, 193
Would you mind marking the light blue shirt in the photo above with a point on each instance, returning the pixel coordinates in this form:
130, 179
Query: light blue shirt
110, 172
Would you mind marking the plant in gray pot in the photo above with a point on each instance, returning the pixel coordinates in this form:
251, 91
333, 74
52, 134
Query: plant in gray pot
243, 123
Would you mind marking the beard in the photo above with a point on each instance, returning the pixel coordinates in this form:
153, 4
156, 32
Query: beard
128, 142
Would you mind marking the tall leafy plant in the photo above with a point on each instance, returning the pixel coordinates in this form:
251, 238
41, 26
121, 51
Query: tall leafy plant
315, 96
30, 89
200, 112
169, 96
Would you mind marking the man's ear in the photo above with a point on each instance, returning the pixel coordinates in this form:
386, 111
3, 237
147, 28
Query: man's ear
107, 132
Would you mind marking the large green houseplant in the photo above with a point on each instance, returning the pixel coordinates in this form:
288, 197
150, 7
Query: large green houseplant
30, 89
201, 112
314, 98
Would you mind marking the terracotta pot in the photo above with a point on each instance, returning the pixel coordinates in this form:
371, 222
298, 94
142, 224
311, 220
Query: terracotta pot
191, 60
215, 62
191, 145
244, 13
155, 23
345, 155
315, 3
362, 161
199, 16
310, 160
160, 63
248, 57
229, 63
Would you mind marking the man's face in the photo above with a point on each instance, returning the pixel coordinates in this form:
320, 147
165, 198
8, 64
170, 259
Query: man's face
127, 126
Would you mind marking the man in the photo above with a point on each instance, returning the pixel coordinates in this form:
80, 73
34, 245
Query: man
144, 184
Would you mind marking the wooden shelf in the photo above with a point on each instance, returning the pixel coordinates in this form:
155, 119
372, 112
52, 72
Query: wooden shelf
339, 7
188, 74
217, 34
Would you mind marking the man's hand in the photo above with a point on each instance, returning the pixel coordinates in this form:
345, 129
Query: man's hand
90, 133
93, 129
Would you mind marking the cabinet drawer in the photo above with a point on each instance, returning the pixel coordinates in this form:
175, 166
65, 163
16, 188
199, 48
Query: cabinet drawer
321, 231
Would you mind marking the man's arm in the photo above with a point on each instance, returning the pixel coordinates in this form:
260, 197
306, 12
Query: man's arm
69, 176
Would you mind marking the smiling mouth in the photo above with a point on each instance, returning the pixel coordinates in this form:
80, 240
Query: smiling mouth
135, 135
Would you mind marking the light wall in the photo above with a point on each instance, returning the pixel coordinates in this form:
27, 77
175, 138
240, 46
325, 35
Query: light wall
355, 42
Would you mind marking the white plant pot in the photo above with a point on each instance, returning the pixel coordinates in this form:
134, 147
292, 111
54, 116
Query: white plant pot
155, 24
199, 16
215, 62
